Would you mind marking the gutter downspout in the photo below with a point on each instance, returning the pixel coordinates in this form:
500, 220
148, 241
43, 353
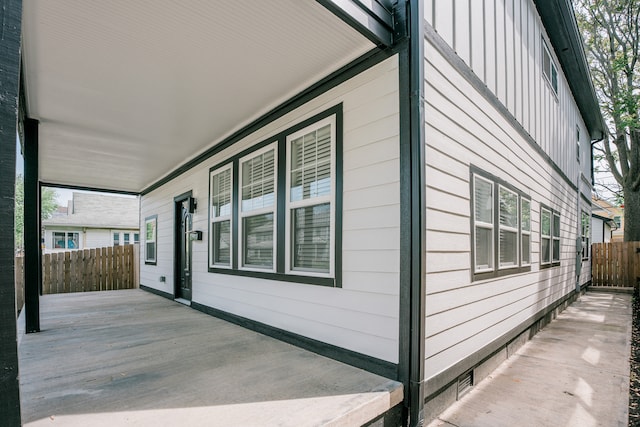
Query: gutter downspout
410, 36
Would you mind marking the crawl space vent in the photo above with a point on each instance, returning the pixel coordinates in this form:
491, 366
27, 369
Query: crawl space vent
465, 383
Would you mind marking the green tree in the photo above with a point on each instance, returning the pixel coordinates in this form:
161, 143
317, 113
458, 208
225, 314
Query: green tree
611, 31
47, 206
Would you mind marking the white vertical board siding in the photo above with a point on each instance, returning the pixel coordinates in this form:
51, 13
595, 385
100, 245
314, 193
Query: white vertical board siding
502, 43
361, 316
463, 128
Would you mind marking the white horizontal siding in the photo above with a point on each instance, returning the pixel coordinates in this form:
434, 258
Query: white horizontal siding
361, 316
502, 44
463, 128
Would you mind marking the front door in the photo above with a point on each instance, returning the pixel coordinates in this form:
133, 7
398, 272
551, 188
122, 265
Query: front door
183, 249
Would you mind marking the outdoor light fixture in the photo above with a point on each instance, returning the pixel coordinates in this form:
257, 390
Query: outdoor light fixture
193, 204
195, 235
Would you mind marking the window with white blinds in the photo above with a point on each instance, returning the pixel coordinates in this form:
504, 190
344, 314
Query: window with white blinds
483, 223
257, 207
310, 198
274, 207
501, 227
508, 241
220, 211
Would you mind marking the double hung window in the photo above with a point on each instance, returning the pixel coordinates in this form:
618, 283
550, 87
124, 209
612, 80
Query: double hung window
220, 211
257, 208
549, 237
501, 227
309, 199
586, 239
151, 239
273, 207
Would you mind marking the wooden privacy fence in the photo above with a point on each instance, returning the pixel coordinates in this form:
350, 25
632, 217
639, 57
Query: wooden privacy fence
615, 264
101, 269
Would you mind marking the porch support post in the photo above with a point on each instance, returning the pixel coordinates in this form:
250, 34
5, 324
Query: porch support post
31, 227
10, 28
410, 18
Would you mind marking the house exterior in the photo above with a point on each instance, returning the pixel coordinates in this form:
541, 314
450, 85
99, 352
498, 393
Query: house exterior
602, 228
415, 204
93, 221
605, 209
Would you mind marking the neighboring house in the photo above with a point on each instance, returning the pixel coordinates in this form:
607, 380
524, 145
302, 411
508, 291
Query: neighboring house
602, 228
93, 221
616, 213
414, 204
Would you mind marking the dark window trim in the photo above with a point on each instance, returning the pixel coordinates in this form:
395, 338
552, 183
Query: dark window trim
280, 139
497, 183
554, 67
155, 260
552, 263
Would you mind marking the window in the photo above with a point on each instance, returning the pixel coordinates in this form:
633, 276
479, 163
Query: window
545, 236
221, 217
556, 237
66, 240
578, 144
126, 237
501, 227
586, 241
257, 207
136, 238
549, 68
549, 237
483, 222
309, 198
618, 220
273, 207
151, 239
508, 242
525, 231
116, 239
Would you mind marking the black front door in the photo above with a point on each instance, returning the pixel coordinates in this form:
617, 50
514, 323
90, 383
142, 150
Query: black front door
183, 250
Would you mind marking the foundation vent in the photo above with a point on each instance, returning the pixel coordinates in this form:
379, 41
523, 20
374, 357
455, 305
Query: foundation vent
465, 383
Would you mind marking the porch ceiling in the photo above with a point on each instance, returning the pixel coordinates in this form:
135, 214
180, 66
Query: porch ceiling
126, 91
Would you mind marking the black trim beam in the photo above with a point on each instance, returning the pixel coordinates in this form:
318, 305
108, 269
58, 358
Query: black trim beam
374, 21
83, 188
10, 28
413, 210
31, 227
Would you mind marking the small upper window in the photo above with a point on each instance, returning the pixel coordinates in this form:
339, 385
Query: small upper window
549, 68
578, 144
116, 239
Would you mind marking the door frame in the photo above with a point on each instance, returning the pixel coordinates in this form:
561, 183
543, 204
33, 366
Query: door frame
177, 231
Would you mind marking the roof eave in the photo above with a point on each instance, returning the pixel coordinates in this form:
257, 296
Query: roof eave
559, 20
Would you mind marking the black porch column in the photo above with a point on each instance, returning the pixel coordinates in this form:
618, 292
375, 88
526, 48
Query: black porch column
10, 28
31, 227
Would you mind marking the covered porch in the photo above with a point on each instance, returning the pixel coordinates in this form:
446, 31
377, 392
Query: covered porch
131, 357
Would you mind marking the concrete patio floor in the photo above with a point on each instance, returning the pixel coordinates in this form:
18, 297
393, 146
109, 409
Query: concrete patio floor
133, 358
575, 372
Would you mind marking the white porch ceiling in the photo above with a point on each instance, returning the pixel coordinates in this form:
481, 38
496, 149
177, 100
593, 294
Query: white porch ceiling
128, 90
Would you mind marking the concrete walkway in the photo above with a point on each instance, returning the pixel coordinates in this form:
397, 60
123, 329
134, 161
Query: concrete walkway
575, 372
132, 358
